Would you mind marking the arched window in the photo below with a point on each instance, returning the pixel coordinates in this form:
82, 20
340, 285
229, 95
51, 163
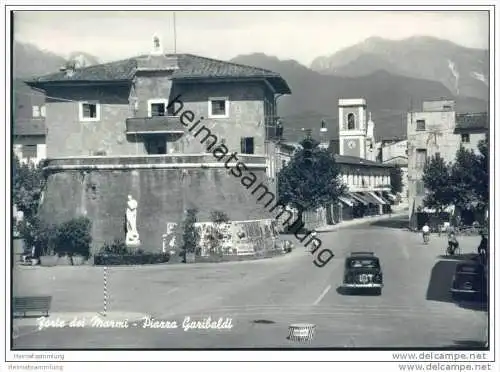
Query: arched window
350, 121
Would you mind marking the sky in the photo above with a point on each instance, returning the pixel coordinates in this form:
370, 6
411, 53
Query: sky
298, 35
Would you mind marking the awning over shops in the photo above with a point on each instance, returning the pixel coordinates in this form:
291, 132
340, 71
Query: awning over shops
381, 196
346, 200
391, 196
370, 198
378, 198
359, 198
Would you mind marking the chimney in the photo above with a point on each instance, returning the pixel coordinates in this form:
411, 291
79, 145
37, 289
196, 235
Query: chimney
69, 68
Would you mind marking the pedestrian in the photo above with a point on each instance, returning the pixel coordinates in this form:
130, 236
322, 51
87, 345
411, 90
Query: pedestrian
287, 246
315, 242
482, 250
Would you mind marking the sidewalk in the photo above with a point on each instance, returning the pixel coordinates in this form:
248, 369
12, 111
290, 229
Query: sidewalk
360, 221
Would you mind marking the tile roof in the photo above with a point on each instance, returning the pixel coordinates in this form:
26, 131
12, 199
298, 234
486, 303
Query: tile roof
354, 160
472, 121
190, 67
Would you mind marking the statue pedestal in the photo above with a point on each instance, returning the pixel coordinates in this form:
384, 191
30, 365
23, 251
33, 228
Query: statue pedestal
132, 240
133, 246
133, 243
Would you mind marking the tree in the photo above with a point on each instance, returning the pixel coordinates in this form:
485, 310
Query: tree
464, 183
483, 173
311, 178
470, 177
396, 175
190, 237
28, 182
437, 182
74, 237
463, 178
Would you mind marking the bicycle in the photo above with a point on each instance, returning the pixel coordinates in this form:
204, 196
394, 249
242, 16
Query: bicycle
453, 249
426, 238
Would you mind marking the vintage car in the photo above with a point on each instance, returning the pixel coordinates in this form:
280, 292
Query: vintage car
469, 280
363, 271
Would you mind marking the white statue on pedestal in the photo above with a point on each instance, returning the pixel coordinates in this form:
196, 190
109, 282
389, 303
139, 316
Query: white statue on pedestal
132, 237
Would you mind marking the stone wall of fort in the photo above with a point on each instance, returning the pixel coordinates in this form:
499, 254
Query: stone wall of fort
164, 187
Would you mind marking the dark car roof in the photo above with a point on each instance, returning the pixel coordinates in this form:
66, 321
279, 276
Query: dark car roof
362, 254
362, 257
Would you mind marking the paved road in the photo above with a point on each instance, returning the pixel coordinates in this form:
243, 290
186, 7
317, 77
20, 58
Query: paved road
264, 297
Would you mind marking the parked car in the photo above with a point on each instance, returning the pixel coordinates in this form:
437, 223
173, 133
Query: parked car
363, 271
469, 281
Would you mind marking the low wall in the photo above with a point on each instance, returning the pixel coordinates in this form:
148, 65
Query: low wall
238, 238
164, 187
314, 219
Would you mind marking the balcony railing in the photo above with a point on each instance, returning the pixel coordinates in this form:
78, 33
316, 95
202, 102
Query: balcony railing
154, 124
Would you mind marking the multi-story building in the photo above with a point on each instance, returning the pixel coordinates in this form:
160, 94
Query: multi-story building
28, 129
437, 129
147, 127
368, 185
396, 154
471, 128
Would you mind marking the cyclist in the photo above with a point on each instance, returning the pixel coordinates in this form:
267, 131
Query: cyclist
426, 230
452, 242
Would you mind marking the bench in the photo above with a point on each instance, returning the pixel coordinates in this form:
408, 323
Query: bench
34, 304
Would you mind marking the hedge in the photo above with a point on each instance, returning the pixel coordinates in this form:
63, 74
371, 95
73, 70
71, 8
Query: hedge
131, 259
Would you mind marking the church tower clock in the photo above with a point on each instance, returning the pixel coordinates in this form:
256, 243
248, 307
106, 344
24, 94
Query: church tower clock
352, 127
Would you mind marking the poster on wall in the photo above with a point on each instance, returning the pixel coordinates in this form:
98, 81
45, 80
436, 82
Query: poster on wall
231, 238
169, 239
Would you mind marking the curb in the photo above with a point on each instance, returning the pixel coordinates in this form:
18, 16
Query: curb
358, 222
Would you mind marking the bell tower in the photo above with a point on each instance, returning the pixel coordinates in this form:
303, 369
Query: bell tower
371, 151
352, 127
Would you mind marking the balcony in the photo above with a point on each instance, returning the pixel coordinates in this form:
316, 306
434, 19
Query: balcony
154, 125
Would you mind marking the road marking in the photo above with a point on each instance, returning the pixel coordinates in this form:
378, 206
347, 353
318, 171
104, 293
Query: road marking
172, 290
19, 334
322, 295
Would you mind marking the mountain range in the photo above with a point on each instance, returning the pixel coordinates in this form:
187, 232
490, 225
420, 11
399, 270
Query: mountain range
464, 71
393, 76
30, 61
